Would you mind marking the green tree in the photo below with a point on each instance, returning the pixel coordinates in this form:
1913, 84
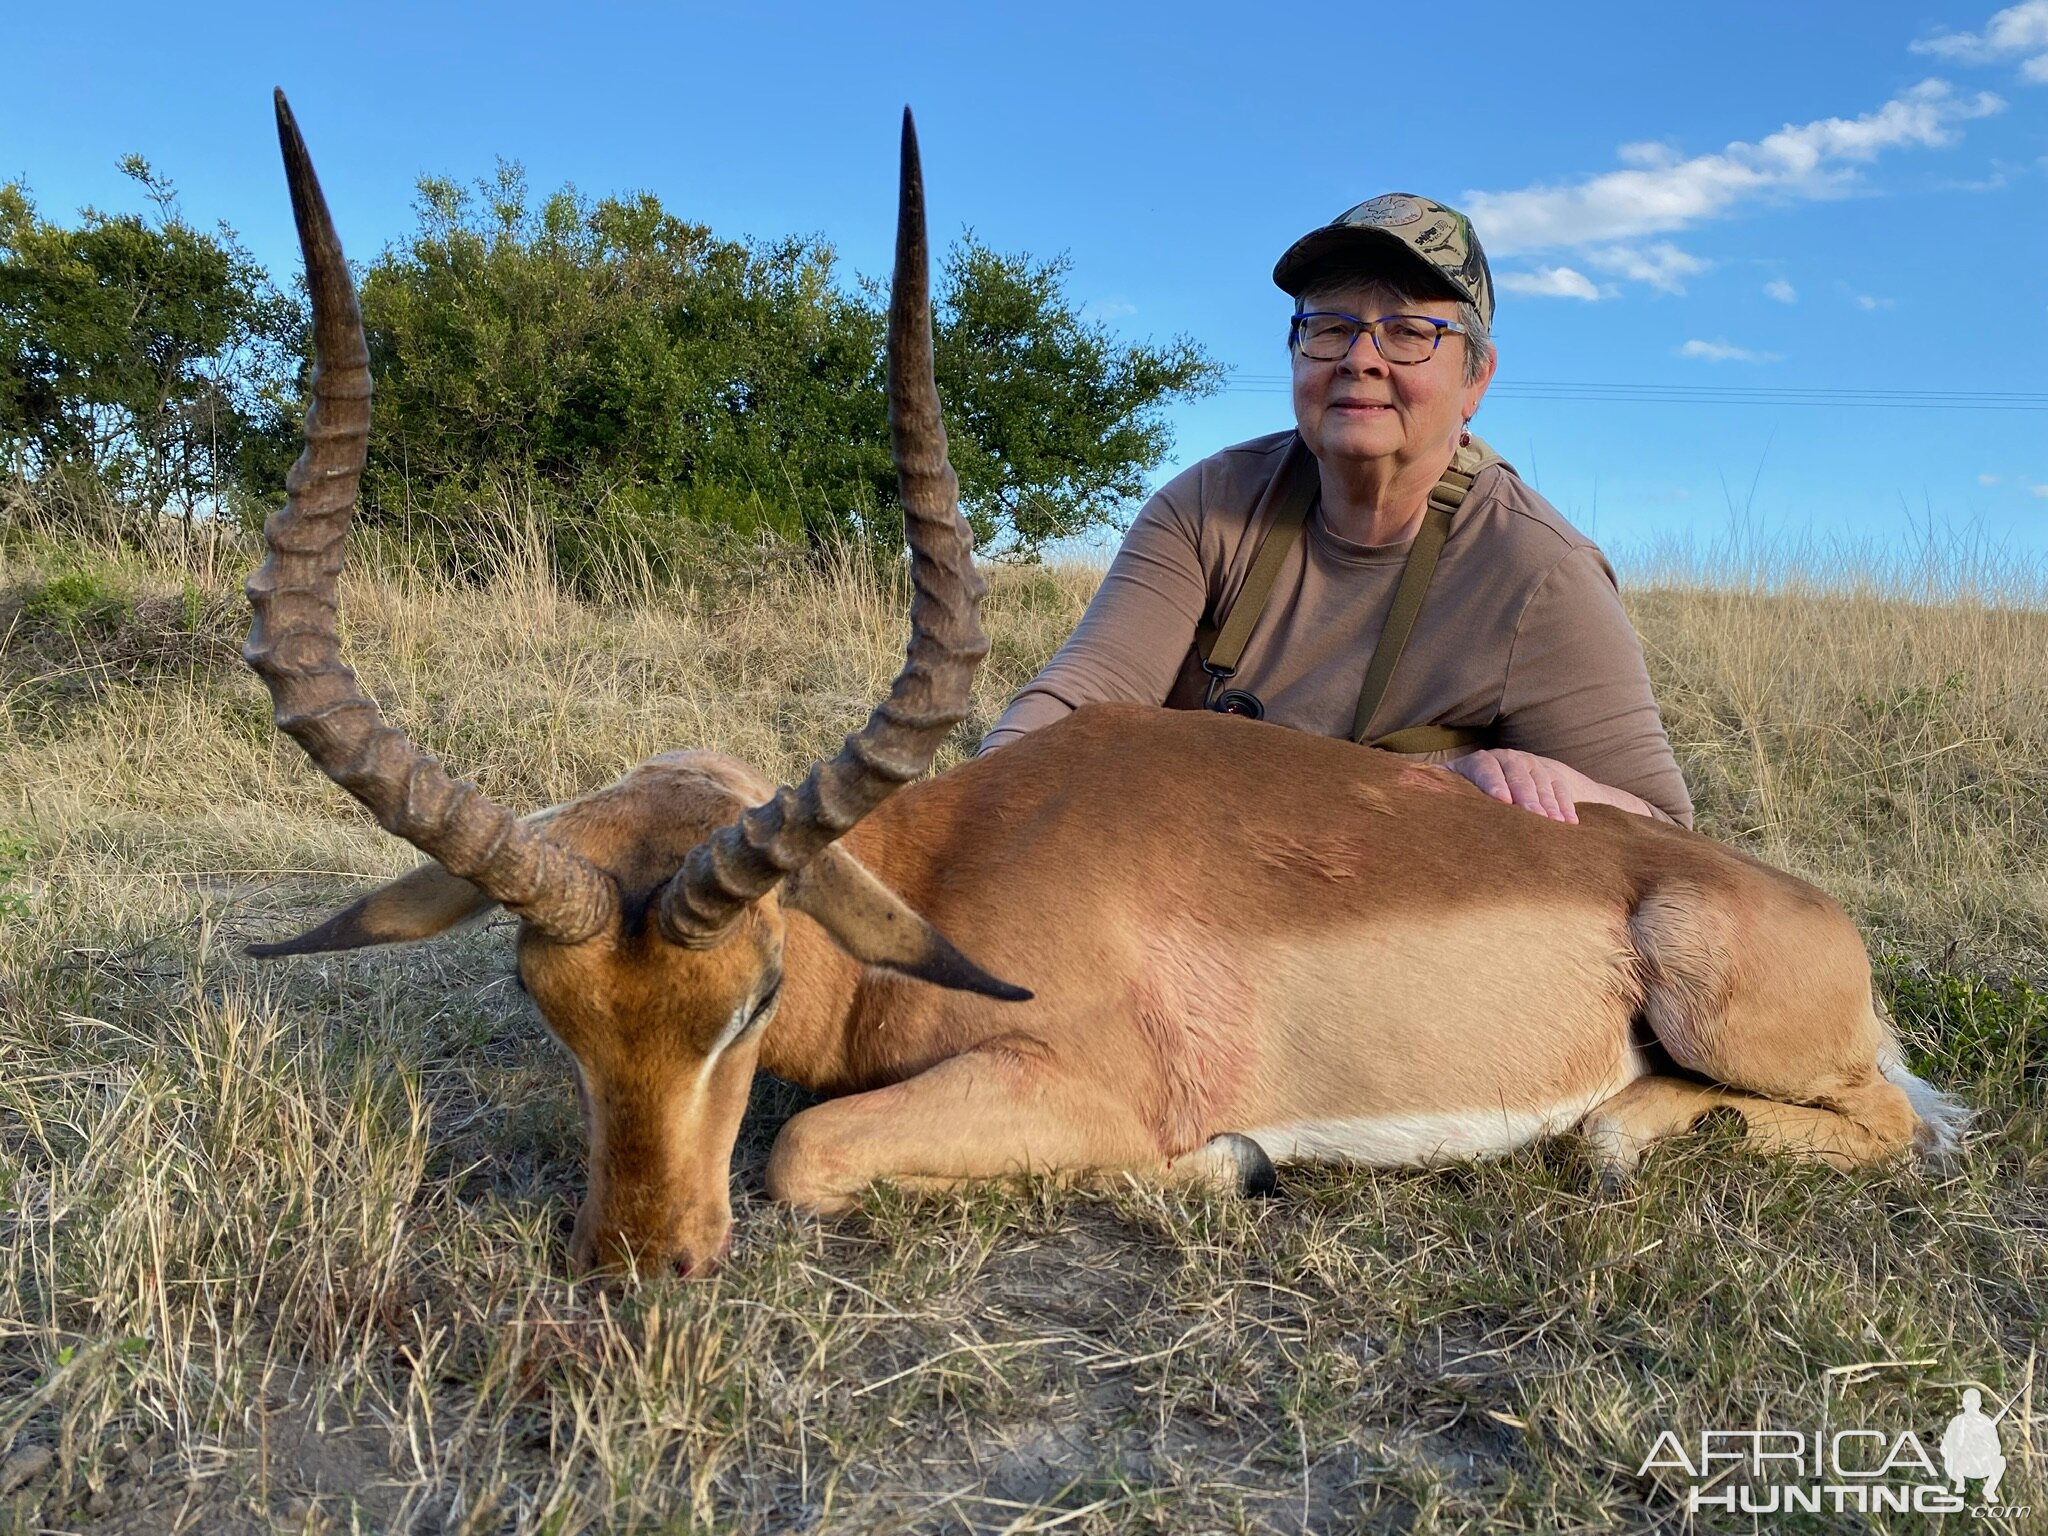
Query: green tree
1054, 421
142, 351
649, 372
620, 356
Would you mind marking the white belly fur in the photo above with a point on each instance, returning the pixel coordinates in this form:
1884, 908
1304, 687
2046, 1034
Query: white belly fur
1424, 1140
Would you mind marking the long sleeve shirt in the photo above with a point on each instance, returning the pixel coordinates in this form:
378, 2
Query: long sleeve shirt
1522, 633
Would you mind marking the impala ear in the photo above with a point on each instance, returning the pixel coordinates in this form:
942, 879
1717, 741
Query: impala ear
429, 903
875, 926
425, 904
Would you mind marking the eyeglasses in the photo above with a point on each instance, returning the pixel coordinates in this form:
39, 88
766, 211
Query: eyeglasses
1327, 335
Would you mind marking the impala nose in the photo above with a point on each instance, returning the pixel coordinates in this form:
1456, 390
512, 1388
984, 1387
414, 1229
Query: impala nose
702, 1266
587, 1261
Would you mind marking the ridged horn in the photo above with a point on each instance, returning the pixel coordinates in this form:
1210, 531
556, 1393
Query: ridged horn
294, 646
743, 862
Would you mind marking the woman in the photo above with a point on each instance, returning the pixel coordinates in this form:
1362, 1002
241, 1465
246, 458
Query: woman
1265, 579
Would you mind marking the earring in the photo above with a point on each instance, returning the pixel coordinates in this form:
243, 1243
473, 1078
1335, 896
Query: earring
1465, 439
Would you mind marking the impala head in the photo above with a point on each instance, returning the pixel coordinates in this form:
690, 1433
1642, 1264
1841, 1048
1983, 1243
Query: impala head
652, 913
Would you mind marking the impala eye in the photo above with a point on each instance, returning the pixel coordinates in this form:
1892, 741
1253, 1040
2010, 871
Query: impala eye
749, 1017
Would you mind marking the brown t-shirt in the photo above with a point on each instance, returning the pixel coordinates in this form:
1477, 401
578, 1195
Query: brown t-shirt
1522, 633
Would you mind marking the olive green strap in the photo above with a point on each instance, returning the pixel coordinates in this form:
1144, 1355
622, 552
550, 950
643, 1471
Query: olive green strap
1294, 489
1434, 738
1445, 497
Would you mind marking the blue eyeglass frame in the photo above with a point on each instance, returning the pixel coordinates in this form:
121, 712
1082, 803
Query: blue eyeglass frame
1371, 328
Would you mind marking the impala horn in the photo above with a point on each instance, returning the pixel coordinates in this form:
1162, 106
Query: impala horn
293, 644
740, 863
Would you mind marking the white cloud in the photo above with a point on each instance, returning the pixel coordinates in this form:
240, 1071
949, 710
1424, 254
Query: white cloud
2040, 491
1725, 352
1652, 154
1870, 301
1987, 479
1782, 291
2018, 29
1993, 181
1816, 159
1663, 265
1549, 283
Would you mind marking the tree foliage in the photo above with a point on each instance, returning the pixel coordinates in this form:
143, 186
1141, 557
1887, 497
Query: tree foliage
625, 371
620, 356
1054, 422
144, 352
633, 360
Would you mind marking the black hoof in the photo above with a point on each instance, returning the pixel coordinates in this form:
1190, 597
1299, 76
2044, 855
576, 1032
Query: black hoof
1255, 1171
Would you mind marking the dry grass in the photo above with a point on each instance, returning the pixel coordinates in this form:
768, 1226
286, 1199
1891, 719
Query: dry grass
284, 1247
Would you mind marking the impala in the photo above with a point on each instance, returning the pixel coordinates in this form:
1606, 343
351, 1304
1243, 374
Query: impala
1242, 944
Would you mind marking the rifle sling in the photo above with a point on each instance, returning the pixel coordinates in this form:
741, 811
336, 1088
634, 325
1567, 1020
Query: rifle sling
1295, 489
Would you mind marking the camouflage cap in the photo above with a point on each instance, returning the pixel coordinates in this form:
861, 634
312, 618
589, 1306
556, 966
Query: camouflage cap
1401, 226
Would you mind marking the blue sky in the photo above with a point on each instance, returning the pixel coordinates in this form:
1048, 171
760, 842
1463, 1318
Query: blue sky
1841, 199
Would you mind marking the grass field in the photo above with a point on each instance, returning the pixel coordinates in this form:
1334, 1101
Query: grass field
283, 1247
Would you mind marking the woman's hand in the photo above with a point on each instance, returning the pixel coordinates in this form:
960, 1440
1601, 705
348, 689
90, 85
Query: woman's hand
1540, 784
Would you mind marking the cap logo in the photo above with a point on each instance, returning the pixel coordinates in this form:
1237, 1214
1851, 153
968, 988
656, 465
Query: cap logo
1441, 238
1436, 237
1385, 212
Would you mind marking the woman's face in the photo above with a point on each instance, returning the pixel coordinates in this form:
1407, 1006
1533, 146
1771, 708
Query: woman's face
1363, 409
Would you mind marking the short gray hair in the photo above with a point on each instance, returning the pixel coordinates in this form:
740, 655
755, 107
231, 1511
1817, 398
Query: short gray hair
1478, 339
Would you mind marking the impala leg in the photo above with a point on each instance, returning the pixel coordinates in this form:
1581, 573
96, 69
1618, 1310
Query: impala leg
1773, 1000
1622, 1128
990, 1113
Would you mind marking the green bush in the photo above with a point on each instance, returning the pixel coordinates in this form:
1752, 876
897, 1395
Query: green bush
647, 374
78, 601
645, 378
1974, 1029
144, 353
